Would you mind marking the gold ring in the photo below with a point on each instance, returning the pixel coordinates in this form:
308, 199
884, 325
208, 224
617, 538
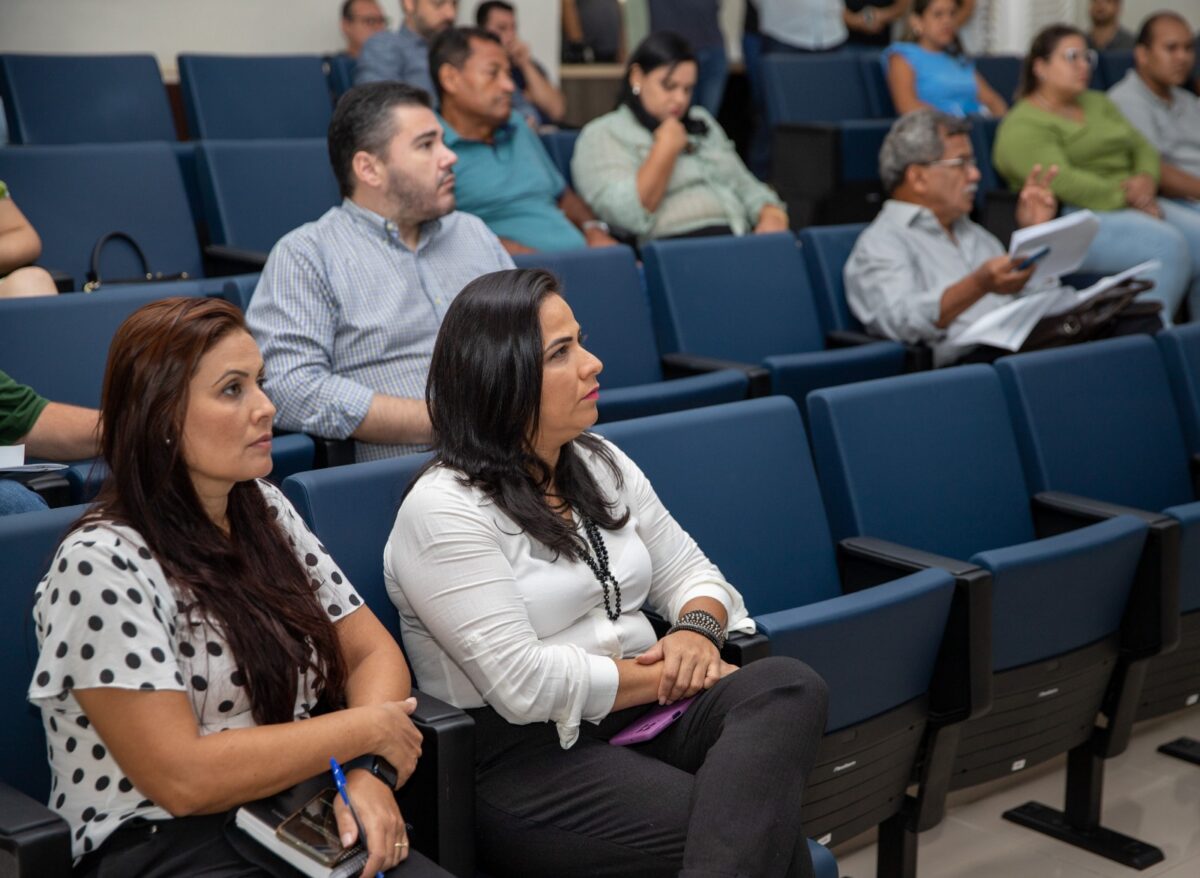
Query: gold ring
401, 844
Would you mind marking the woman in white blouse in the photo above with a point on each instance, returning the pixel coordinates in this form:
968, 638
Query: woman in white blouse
521, 560
190, 618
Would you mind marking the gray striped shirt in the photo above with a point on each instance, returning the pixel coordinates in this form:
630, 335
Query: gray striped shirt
345, 310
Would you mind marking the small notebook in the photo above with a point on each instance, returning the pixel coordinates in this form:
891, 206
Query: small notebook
299, 827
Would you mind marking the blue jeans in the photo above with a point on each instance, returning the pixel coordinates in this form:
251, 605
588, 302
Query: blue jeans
1128, 236
15, 497
710, 78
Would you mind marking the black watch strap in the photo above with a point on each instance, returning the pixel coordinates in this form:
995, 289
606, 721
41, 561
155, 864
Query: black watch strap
378, 766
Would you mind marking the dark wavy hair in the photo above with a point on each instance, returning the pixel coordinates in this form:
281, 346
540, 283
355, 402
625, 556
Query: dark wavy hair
1040, 49
484, 395
249, 583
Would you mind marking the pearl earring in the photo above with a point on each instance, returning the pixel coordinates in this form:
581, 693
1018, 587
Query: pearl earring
637, 90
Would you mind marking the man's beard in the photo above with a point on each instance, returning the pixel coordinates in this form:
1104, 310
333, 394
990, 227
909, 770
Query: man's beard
410, 202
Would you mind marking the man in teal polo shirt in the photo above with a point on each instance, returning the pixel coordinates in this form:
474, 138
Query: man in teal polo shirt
503, 175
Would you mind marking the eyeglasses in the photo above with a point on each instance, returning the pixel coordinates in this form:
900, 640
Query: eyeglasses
963, 162
1074, 56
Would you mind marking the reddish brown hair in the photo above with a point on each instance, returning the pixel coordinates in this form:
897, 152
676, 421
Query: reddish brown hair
250, 584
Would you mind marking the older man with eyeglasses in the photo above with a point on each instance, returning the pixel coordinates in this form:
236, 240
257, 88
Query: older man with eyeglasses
923, 272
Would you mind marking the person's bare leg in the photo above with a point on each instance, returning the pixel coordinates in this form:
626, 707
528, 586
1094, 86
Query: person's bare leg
30, 281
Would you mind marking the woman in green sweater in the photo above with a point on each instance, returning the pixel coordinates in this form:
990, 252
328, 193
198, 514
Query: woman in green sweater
1104, 165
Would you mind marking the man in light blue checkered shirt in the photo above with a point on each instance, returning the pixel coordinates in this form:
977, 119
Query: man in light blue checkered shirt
348, 307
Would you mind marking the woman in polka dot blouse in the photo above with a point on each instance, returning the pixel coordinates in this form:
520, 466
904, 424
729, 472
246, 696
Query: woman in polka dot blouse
190, 618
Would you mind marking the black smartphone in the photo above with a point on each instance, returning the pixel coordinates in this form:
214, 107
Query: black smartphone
1034, 257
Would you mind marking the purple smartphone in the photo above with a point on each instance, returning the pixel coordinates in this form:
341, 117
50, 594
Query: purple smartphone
651, 723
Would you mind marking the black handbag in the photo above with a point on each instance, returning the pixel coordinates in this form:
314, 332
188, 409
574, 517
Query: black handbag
93, 276
1093, 319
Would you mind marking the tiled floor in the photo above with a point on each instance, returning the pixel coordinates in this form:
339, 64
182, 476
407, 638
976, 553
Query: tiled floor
1152, 797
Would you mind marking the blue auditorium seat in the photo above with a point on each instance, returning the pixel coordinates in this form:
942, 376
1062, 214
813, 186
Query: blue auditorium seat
604, 291
739, 479
352, 510
748, 300
36, 841
1112, 68
879, 97
1002, 73
931, 461
59, 99
241, 97
75, 194
560, 145
36, 838
821, 88
826, 251
84, 325
256, 191
340, 74
1099, 421
239, 290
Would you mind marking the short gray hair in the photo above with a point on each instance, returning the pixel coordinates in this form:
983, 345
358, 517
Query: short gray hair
915, 139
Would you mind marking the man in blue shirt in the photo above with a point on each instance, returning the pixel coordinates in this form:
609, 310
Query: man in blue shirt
403, 55
504, 175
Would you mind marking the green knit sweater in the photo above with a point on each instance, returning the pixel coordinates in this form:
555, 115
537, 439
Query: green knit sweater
1093, 158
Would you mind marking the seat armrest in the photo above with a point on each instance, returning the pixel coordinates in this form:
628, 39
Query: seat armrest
846, 338
1195, 462
1056, 512
63, 282
440, 795
333, 452
222, 260
867, 561
36, 842
1150, 625
677, 365
740, 649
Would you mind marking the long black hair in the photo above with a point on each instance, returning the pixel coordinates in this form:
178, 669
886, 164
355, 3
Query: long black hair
660, 49
484, 395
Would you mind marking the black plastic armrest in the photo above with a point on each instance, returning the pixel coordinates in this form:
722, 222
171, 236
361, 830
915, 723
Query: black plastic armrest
1056, 512
961, 687
740, 649
234, 260
1151, 622
867, 561
1195, 475
63, 282
806, 158
35, 839
845, 338
333, 452
440, 795
678, 365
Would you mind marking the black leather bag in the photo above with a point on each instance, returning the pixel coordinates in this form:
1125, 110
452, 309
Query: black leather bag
94, 281
1094, 319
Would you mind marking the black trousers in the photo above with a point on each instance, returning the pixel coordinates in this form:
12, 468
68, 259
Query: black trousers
716, 794
208, 846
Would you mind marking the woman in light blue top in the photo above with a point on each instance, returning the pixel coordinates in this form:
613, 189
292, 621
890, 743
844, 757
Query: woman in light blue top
931, 71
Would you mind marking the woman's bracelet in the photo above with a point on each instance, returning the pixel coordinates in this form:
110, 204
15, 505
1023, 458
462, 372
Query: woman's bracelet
701, 622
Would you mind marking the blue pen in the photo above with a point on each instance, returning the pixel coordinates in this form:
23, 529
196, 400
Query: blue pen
340, 779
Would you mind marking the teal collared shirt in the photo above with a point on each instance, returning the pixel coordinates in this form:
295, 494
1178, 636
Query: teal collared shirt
512, 185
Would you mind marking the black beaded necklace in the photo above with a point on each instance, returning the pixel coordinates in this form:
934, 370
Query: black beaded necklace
599, 566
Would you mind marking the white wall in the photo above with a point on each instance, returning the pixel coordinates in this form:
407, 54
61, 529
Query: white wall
168, 27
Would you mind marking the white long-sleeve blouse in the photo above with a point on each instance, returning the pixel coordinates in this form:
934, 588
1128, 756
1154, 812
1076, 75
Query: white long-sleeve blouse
489, 616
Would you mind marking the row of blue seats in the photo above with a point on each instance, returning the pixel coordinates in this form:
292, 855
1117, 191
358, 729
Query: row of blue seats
971, 619
58, 99
236, 197
851, 85
693, 292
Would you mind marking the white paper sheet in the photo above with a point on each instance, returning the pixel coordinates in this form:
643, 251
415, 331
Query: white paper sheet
12, 460
1068, 238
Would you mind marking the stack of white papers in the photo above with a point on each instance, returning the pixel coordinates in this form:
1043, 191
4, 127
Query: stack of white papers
12, 460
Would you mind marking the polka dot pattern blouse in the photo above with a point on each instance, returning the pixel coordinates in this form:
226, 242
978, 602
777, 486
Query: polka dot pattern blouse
107, 617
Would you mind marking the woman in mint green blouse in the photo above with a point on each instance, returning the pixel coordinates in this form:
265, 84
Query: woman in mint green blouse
661, 170
1104, 165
